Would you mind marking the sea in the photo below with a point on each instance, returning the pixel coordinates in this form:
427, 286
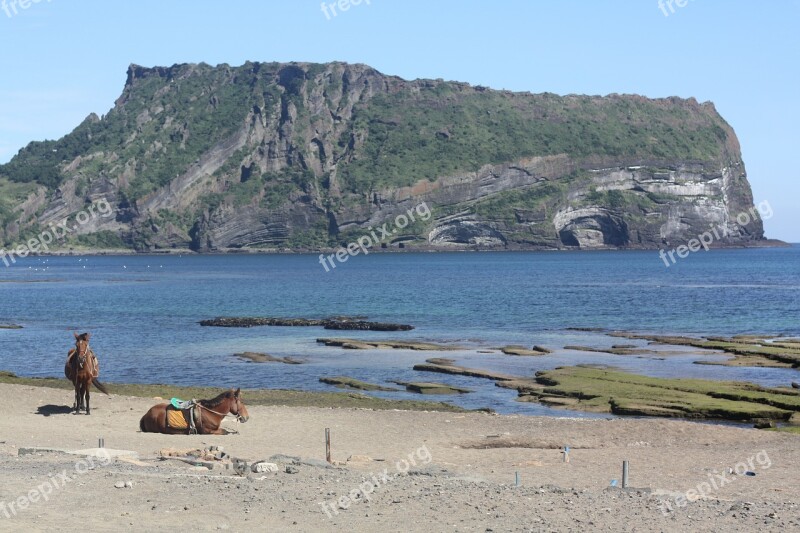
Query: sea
143, 312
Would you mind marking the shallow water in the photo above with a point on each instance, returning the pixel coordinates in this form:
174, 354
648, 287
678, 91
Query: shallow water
143, 313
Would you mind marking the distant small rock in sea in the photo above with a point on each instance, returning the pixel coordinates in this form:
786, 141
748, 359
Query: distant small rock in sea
337, 323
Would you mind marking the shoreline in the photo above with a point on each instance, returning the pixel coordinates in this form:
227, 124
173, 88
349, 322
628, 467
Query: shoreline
266, 397
766, 243
567, 404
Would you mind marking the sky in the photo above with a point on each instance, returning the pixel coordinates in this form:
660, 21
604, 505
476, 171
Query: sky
63, 59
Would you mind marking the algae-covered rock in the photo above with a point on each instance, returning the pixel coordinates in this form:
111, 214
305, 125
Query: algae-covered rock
749, 350
521, 350
630, 394
344, 382
256, 357
431, 388
429, 366
383, 344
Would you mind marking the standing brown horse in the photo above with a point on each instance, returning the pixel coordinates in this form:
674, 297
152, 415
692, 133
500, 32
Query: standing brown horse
208, 415
82, 370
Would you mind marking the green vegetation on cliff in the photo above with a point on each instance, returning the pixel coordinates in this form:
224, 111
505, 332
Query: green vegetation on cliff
445, 129
300, 149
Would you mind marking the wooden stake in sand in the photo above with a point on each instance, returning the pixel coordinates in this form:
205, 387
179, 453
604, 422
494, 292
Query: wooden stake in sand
624, 474
328, 444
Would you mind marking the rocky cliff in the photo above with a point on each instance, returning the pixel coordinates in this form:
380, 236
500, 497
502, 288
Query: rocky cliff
302, 156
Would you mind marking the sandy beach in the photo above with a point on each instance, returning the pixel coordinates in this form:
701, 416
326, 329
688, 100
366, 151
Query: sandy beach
419, 471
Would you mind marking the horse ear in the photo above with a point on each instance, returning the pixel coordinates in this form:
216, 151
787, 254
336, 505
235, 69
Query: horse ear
76, 335
87, 335
236, 394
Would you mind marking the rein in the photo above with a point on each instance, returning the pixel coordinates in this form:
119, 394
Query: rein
237, 415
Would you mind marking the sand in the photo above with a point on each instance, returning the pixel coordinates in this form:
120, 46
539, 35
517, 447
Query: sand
422, 471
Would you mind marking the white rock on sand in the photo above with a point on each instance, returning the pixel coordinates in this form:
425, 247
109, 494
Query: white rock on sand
428, 472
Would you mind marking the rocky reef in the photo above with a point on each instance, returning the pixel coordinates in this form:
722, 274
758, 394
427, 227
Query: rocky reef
337, 323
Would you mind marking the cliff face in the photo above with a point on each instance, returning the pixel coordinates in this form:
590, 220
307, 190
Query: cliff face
290, 156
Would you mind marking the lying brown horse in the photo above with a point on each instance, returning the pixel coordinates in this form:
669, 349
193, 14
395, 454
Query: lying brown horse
82, 370
208, 415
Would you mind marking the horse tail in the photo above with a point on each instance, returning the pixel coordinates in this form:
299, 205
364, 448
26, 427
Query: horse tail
100, 386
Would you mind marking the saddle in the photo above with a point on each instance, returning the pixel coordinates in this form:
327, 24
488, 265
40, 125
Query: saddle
183, 415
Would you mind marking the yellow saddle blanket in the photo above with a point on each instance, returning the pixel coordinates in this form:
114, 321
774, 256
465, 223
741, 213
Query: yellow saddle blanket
178, 418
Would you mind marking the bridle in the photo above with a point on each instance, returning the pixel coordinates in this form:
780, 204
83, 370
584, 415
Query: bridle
82, 355
223, 415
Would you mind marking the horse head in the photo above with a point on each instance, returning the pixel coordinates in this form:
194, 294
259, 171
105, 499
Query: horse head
238, 408
82, 348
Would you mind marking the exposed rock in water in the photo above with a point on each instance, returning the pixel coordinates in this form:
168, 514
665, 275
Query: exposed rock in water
340, 323
441, 361
385, 345
522, 385
350, 344
615, 350
762, 423
366, 326
557, 401
249, 322
344, 382
432, 366
521, 350
10, 326
431, 388
747, 348
623, 393
746, 360
255, 357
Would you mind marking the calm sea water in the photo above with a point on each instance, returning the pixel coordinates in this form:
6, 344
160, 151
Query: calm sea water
143, 312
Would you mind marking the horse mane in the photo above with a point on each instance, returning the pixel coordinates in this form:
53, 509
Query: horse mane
83, 337
218, 400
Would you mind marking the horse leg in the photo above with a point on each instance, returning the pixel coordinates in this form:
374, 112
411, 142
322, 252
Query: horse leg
88, 386
77, 405
82, 397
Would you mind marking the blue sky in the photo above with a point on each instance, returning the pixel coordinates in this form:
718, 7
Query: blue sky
63, 59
